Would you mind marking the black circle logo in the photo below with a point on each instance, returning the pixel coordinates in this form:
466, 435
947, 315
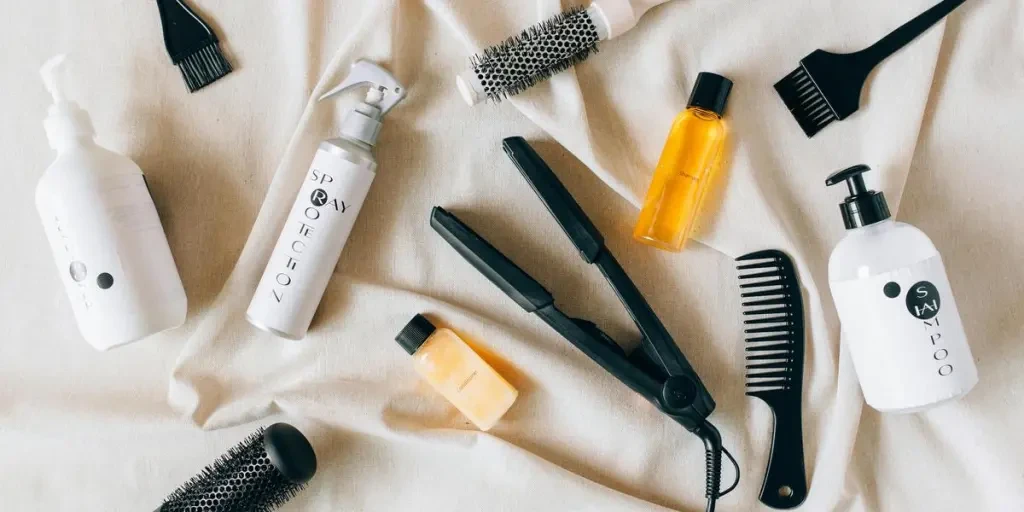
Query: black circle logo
318, 197
891, 289
104, 281
923, 300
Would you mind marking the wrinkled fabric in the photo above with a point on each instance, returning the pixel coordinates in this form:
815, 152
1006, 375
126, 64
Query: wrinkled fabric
82, 430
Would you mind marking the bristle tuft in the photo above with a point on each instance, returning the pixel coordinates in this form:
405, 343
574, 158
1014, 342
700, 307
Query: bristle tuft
241, 479
536, 54
203, 67
805, 101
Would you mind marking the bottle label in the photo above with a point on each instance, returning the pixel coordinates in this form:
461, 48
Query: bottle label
311, 241
906, 337
112, 255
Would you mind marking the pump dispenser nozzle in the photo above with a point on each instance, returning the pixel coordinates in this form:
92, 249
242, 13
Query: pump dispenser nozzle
862, 207
363, 122
65, 120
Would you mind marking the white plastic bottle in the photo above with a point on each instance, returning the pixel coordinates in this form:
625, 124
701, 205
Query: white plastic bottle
896, 307
325, 210
103, 228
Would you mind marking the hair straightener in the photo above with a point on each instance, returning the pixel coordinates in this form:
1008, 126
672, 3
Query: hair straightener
657, 370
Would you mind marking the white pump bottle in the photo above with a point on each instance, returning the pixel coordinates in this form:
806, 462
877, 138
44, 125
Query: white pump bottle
104, 231
320, 221
896, 307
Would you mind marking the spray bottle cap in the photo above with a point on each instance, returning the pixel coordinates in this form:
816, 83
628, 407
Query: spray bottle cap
65, 120
862, 207
363, 122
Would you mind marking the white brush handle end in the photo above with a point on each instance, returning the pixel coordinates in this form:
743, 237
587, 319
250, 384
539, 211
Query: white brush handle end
470, 87
618, 16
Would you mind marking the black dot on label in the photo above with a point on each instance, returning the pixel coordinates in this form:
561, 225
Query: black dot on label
891, 290
104, 281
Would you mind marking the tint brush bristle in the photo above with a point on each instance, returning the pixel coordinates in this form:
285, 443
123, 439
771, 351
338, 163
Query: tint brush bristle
806, 102
204, 67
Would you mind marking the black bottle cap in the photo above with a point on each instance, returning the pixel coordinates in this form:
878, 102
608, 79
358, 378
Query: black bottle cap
290, 452
863, 207
711, 92
415, 333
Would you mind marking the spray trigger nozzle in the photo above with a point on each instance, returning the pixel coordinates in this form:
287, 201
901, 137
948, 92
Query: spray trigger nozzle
385, 90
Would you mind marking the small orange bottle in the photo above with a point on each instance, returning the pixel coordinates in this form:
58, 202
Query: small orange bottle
457, 372
691, 155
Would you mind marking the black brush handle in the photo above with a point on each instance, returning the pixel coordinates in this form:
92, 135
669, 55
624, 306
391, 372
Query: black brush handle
897, 39
785, 483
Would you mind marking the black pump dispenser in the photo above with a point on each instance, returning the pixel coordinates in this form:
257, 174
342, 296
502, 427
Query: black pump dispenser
863, 207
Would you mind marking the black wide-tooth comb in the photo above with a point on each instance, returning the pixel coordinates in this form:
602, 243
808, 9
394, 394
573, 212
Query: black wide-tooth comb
774, 325
827, 86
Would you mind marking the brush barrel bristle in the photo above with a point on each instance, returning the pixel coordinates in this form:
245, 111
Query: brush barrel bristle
534, 55
246, 479
205, 66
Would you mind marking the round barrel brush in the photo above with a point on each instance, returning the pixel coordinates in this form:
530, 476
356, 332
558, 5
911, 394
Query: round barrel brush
260, 474
547, 48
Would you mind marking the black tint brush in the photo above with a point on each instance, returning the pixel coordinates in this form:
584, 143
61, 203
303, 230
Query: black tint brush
774, 326
827, 86
192, 45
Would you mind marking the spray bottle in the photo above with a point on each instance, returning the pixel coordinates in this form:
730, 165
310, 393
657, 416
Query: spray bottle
104, 231
325, 210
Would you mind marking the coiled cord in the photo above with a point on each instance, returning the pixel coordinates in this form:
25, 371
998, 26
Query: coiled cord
713, 464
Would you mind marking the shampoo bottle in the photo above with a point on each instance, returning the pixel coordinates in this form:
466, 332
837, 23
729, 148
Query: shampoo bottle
690, 157
325, 210
104, 231
896, 307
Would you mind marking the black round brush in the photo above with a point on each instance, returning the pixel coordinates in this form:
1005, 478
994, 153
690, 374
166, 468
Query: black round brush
260, 474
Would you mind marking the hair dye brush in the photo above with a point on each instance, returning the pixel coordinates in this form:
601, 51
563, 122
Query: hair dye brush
260, 474
547, 48
192, 45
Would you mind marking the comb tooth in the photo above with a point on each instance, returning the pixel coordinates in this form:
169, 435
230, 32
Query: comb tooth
768, 253
769, 311
783, 320
763, 392
768, 357
767, 302
760, 339
767, 329
767, 348
763, 395
767, 366
763, 384
761, 284
758, 275
763, 293
781, 374
764, 264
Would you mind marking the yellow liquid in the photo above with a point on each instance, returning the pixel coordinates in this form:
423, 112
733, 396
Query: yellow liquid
681, 179
464, 378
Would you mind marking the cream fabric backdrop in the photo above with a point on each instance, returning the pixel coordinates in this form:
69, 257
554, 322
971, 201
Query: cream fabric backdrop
88, 431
